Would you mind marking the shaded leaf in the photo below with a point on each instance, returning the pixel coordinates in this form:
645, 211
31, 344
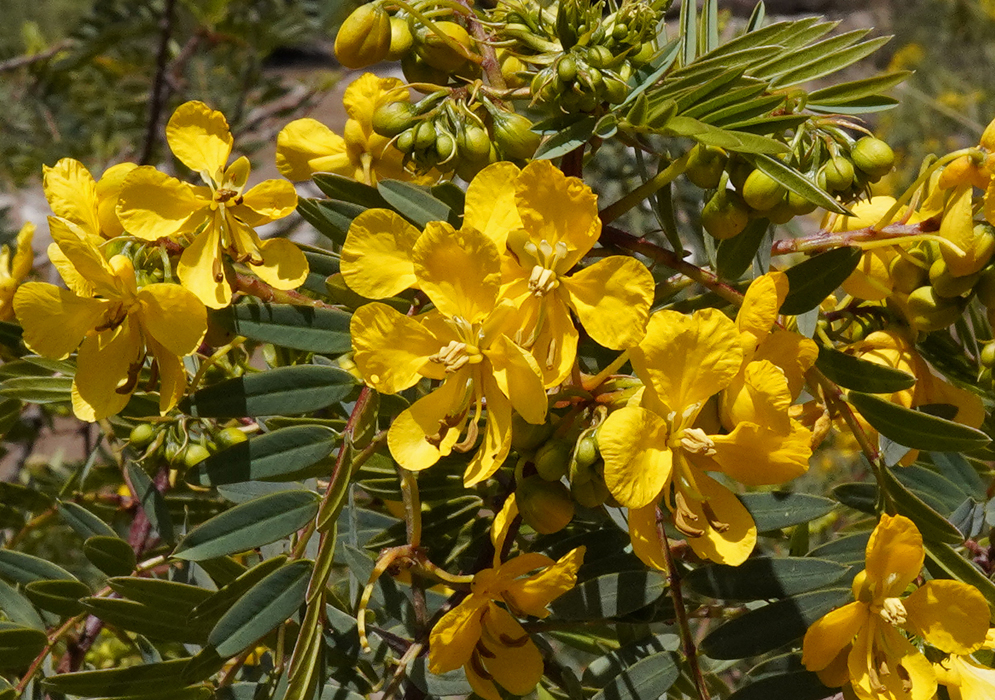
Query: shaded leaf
611, 595
153, 504
83, 522
916, 429
298, 327
179, 598
761, 578
798, 183
773, 510
153, 622
650, 677
416, 203
60, 597
24, 568
944, 562
812, 280
19, 609
128, 680
734, 255
330, 218
19, 645
567, 140
854, 373
111, 555
798, 685
213, 607
349, 190
41, 390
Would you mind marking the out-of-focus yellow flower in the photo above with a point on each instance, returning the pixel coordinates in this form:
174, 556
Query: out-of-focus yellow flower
861, 644
221, 216
487, 640
115, 327
684, 361
75, 196
306, 146
461, 342
14, 268
965, 678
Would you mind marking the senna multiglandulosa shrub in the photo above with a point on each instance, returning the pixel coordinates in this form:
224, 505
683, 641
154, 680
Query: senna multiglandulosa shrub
486, 438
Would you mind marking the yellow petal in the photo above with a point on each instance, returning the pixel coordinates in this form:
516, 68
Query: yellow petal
518, 377
516, 664
306, 146
366, 93
532, 595
454, 636
199, 137
23, 259
951, 615
497, 436
732, 543
284, 265
644, 531
172, 376
894, 651
759, 394
490, 202
967, 679
638, 463
422, 433
460, 271
761, 304
108, 190
755, 455
85, 260
153, 205
555, 208
933, 389
612, 299
502, 525
73, 279
376, 256
173, 316
103, 367
480, 680
830, 634
268, 201
688, 358
390, 348
72, 194
793, 353
957, 227
871, 279
555, 348
201, 270
56, 320
894, 555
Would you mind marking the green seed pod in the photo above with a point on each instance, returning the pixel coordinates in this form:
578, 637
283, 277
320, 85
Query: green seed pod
545, 506
725, 215
364, 37
391, 118
761, 191
513, 135
566, 68
985, 287
552, 461
873, 156
906, 275
401, 39
928, 311
945, 284
474, 143
424, 135
839, 174
705, 166
437, 53
141, 435
229, 437
512, 69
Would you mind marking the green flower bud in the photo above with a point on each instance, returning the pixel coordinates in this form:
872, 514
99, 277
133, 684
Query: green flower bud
873, 156
761, 191
928, 311
229, 437
988, 355
527, 437
586, 453
945, 284
705, 166
445, 146
401, 39
591, 493
799, 205
724, 215
513, 135
391, 118
364, 37
474, 143
437, 53
424, 135
544, 505
738, 170
552, 461
615, 90
194, 455
906, 275
141, 435
599, 56
416, 70
406, 141
839, 174
985, 287
566, 68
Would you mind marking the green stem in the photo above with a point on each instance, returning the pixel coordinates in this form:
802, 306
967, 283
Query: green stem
648, 188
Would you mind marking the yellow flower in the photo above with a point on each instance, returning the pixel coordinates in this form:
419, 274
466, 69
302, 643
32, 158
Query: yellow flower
306, 146
460, 342
221, 216
114, 328
14, 269
649, 448
861, 643
487, 640
75, 196
965, 678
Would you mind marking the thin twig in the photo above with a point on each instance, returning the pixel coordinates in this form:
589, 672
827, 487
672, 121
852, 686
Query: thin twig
26, 60
157, 96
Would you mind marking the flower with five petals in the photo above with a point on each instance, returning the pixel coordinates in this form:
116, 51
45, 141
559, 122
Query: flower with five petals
861, 642
115, 327
221, 216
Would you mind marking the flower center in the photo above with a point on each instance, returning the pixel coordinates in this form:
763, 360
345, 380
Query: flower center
893, 611
548, 257
457, 354
695, 441
225, 194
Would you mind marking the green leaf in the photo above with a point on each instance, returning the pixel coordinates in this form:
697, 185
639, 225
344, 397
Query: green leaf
416, 203
452, 683
764, 577
212, 608
798, 183
812, 280
767, 628
20, 645
83, 522
280, 455
843, 93
611, 595
112, 555
19, 609
179, 599
60, 597
799, 685
266, 605
330, 218
825, 65
153, 504
854, 373
153, 622
277, 392
916, 429
18, 496
306, 328
40, 390
931, 524
10, 334
567, 140
774, 510
863, 105
115, 682
944, 562
24, 568
845, 550
349, 190
709, 135
688, 32
249, 525
648, 75
650, 677
735, 255
790, 61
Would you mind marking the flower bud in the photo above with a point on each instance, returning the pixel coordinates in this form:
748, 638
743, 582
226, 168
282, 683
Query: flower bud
437, 53
474, 143
906, 276
424, 135
566, 68
391, 118
401, 39
553, 460
141, 435
724, 215
586, 453
988, 355
525, 436
945, 284
985, 288
545, 506
705, 166
839, 174
761, 191
194, 455
513, 135
591, 493
799, 205
229, 437
927, 311
873, 156
416, 70
364, 37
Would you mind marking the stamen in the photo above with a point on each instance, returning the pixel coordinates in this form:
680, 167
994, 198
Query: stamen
716, 524
684, 517
696, 441
893, 611
512, 642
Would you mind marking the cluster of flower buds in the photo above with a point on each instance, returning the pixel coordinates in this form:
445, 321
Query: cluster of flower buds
450, 132
743, 192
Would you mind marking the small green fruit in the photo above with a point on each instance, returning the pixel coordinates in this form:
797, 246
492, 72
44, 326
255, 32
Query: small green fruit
141, 435
391, 118
945, 284
546, 506
988, 355
986, 287
906, 275
513, 135
725, 215
705, 166
873, 156
930, 312
401, 39
761, 191
194, 455
799, 205
229, 437
839, 174
552, 461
